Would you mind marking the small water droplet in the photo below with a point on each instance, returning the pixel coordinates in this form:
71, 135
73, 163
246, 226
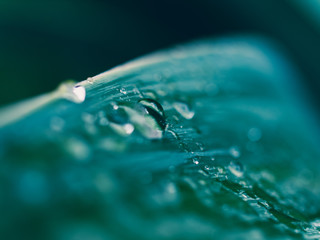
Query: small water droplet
236, 168
234, 151
128, 128
119, 119
220, 170
200, 145
123, 91
90, 80
135, 90
184, 109
195, 160
254, 134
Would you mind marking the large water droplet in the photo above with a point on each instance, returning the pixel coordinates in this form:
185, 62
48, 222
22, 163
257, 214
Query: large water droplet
236, 168
149, 104
184, 109
149, 118
74, 93
79, 93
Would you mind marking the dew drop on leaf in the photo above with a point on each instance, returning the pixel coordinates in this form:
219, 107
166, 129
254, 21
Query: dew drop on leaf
236, 168
119, 119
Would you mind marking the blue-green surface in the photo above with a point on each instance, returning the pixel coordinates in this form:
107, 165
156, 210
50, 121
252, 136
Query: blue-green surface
211, 140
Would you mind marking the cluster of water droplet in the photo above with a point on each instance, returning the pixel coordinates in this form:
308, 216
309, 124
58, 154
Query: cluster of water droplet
140, 113
146, 116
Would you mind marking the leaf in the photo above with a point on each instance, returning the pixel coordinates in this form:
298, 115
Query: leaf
186, 143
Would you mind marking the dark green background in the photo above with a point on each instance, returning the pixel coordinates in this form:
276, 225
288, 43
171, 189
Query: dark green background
45, 42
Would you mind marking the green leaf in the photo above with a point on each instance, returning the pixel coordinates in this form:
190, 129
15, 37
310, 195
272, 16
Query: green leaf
208, 140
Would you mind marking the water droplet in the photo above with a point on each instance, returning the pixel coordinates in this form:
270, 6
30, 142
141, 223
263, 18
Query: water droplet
123, 91
220, 170
236, 168
234, 151
200, 145
149, 103
195, 160
80, 94
149, 118
72, 92
90, 80
119, 119
184, 109
254, 134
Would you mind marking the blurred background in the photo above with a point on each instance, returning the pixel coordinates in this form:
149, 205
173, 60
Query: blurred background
45, 42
